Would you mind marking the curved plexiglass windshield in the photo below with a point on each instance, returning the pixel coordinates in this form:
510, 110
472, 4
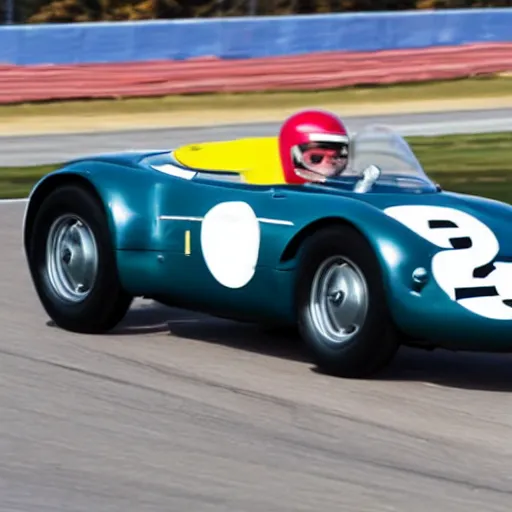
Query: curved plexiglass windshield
388, 151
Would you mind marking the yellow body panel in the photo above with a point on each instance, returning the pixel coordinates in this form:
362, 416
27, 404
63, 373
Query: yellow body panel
256, 159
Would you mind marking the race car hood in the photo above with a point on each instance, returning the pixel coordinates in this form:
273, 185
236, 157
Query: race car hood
495, 215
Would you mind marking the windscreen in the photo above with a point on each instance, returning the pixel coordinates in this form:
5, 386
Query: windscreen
390, 152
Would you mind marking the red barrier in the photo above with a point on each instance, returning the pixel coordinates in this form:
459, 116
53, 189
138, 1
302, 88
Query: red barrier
304, 72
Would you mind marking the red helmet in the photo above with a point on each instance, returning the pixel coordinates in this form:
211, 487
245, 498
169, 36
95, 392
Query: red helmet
313, 145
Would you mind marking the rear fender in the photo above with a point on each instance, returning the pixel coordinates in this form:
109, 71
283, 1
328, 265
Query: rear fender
129, 197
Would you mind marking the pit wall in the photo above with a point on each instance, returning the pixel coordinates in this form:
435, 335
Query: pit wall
248, 38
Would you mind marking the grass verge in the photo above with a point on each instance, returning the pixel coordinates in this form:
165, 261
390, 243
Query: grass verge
479, 164
480, 87
476, 164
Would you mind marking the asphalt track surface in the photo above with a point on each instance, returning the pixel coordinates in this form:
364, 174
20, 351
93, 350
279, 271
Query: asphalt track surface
43, 149
180, 412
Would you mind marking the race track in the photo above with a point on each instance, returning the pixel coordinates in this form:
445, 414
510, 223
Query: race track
44, 149
177, 412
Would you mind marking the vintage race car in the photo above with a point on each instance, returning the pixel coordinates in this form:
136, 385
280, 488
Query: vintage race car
361, 264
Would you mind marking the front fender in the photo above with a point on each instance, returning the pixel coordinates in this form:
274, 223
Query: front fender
464, 295
399, 251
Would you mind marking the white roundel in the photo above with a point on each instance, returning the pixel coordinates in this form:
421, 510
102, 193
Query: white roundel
230, 241
460, 270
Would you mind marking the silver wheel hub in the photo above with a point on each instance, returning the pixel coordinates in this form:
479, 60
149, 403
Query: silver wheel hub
71, 258
339, 300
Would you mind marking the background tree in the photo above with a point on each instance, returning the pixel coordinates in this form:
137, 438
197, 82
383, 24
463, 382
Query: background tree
39, 11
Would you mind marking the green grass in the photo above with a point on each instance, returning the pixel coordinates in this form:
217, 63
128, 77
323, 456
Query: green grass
475, 164
478, 164
16, 182
466, 153
481, 87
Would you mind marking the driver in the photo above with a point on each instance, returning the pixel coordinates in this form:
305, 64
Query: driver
313, 146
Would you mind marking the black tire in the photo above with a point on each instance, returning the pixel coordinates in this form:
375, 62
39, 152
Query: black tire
374, 345
107, 303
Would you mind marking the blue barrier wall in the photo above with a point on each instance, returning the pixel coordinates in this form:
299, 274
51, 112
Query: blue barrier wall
249, 37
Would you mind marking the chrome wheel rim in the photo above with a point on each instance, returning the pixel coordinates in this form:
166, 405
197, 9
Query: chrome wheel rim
71, 258
339, 300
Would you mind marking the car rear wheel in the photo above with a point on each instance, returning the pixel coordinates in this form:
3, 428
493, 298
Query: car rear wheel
342, 311
72, 263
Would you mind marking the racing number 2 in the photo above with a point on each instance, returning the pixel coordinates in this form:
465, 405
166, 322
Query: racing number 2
465, 271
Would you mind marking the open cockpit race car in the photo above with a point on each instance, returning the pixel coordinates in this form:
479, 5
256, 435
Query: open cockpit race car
361, 262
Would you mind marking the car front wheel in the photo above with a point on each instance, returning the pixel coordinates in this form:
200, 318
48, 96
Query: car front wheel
342, 312
72, 263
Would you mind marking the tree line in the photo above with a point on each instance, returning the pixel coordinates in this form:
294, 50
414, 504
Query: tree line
64, 11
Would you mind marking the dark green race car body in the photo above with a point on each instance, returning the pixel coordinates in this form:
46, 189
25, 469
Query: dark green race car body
210, 243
